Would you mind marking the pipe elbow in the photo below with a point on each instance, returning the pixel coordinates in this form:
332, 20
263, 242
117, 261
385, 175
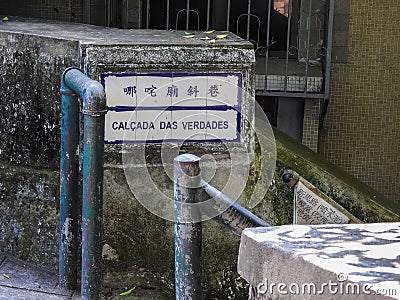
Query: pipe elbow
93, 99
91, 92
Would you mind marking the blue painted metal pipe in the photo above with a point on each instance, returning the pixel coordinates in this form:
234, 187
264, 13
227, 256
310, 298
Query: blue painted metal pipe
189, 188
68, 187
187, 232
235, 217
93, 109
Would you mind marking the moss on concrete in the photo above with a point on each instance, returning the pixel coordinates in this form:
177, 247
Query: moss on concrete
29, 219
358, 198
26, 240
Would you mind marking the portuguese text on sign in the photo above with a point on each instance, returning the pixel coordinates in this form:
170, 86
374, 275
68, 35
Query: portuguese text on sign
173, 107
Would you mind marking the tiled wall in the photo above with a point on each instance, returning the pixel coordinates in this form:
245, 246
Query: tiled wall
61, 10
311, 123
362, 127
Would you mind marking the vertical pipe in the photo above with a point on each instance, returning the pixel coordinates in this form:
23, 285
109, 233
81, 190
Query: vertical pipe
288, 45
248, 20
188, 233
139, 15
267, 44
308, 46
187, 13
147, 14
328, 57
92, 206
167, 22
208, 15
68, 187
228, 14
328, 60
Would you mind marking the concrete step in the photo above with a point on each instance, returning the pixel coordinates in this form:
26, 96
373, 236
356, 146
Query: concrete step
21, 280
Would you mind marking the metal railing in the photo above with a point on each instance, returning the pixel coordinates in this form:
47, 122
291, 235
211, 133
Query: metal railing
75, 84
190, 191
294, 62
188, 240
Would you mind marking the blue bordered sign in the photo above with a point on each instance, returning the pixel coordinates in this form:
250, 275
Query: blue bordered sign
172, 107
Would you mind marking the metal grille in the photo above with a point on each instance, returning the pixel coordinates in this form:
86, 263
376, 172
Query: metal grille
292, 38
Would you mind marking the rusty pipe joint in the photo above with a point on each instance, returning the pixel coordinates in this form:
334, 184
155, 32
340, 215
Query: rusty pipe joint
90, 91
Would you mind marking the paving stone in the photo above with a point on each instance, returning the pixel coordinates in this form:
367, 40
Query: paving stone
29, 282
26, 276
7, 293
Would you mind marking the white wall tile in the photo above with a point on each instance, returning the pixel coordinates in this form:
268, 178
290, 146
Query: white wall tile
153, 91
121, 90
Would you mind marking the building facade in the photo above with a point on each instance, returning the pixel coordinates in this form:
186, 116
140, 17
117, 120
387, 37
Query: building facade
361, 131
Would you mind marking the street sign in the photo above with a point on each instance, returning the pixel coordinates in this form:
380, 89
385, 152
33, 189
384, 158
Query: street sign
309, 208
172, 107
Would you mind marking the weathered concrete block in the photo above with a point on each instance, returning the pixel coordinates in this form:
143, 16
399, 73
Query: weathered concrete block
356, 261
29, 219
29, 98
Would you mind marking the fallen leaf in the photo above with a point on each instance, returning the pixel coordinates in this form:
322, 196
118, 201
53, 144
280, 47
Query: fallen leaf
5, 19
210, 31
189, 36
189, 33
222, 36
6, 276
126, 293
307, 236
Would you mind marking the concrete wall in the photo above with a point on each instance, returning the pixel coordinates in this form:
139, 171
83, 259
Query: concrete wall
361, 130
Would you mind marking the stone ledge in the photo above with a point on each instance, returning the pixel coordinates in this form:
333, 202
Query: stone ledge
355, 261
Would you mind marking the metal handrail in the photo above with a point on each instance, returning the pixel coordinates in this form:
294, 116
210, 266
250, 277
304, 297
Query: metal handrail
190, 189
75, 84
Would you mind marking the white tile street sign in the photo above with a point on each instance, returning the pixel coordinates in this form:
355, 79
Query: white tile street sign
172, 107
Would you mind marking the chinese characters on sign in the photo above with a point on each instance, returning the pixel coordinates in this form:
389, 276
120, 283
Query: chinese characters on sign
130, 90
173, 107
151, 90
213, 91
192, 91
309, 208
172, 91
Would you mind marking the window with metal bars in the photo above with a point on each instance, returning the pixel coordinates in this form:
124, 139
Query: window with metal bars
248, 19
292, 38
